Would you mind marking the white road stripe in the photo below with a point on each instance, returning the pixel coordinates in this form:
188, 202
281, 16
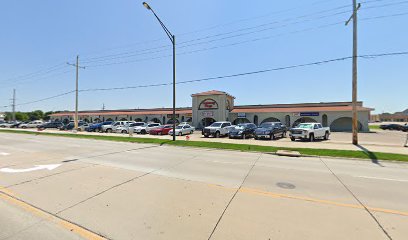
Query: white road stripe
387, 179
4, 154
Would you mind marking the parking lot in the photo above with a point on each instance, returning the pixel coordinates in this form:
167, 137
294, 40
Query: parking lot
101, 189
376, 140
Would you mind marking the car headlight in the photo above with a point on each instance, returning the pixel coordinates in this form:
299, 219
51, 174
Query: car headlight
304, 131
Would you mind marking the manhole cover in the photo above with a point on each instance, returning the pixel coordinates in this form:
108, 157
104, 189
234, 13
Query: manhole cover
286, 185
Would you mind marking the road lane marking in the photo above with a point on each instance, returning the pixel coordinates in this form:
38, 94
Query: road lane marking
8, 196
386, 179
308, 199
37, 167
4, 154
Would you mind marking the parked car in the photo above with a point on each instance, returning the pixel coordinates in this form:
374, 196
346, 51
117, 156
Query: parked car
131, 127
112, 127
270, 130
70, 125
50, 125
162, 130
309, 131
97, 127
217, 129
243, 130
83, 127
7, 124
146, 128
391, 127
183, 130
405, 128
32, 124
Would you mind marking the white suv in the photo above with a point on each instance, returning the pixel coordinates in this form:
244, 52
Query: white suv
112, 127
32, 124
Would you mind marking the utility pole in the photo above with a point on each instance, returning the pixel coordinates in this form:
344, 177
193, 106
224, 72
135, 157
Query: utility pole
356, 7
14, 105
76, 91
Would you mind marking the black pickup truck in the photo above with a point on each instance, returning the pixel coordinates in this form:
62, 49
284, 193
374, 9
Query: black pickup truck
270, 130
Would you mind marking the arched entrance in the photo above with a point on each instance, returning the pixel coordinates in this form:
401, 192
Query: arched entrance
343, 124
270, 119
155, 120
324, 120
170, 121
303, 120
109, 120
241, 120
207, 121
138, 120
123, 119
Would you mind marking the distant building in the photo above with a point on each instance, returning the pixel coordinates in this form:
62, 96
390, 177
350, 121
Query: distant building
390, 117
208, 107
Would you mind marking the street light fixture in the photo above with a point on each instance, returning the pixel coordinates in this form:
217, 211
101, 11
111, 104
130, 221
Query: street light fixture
173, 41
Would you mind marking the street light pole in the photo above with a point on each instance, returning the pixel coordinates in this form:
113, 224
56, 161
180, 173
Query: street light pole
173, 41
76, 91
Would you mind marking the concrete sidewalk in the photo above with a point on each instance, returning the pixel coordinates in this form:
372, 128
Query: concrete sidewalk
143, 191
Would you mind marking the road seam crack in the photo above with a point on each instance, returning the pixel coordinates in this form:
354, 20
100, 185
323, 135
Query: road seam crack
233, 196
358, 200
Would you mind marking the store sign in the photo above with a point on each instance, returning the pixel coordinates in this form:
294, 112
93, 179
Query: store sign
189, 114
241, 115
207, 114
208, 104
306, 114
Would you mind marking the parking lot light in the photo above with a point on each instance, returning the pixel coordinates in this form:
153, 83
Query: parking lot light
173, 41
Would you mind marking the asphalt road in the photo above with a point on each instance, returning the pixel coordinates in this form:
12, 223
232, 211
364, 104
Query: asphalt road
95, 189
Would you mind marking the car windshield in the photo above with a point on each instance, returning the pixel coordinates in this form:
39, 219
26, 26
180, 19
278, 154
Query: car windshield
305, 126
179, 127
266, 125
216, 124
240, 126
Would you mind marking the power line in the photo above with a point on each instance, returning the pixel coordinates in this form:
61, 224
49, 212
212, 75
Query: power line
245, 41
248, 73
366, 56
180, 44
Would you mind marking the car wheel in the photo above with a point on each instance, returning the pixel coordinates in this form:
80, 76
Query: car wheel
256, 138
159, 133
217, 134
284, 134
292, 139
326, 136
311, 137
23, 127
191, 132
143, 132
108, 130
272, 136
180, 134
123, 131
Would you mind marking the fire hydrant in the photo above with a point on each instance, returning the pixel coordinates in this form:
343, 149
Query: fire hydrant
187, 138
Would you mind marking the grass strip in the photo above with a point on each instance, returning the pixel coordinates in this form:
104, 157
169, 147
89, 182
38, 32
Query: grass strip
232, 146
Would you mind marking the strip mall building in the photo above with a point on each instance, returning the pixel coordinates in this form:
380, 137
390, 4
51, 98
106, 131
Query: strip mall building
211, 106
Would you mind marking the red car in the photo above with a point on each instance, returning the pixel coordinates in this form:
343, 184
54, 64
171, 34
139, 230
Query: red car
162, 130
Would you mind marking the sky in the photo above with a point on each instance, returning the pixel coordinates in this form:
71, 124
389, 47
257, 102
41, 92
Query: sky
121, 44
